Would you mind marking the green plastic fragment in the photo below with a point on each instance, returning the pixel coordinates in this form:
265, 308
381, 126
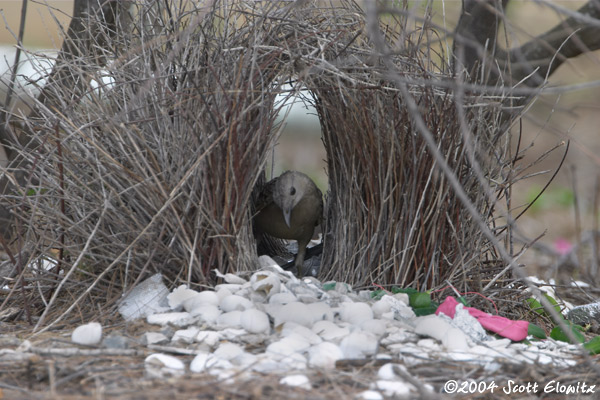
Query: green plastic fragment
536, 331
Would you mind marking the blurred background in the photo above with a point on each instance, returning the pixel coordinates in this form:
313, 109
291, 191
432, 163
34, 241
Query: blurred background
562, 214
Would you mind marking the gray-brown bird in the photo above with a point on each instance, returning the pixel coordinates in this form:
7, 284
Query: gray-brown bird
289, 207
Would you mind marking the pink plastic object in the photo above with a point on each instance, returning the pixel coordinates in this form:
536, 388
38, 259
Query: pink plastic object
514, 330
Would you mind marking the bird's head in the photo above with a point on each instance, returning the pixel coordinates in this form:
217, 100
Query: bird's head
289, 190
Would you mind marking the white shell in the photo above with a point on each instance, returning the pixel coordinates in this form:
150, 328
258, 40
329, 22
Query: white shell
320, 311
210, 338
234, 302
369, 395
160, 365
355, 313
265, 282
359, 345
231, 319
185, 335
293, 312
201, 299
455, 339
175, 318
208, 313
330, 331
206, 362
154, 338
282, 298
291, 328
287, 345
432, 326
300, 381
255, 321
324, 355
178, 296
375, 326
88, 334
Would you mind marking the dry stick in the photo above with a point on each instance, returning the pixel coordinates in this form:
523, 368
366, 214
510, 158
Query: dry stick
13, 75
375, 33
172, 197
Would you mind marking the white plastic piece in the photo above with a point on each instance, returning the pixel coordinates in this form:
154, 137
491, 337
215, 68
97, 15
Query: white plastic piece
149, 297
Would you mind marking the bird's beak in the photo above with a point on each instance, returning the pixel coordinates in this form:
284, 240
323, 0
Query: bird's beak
286, 216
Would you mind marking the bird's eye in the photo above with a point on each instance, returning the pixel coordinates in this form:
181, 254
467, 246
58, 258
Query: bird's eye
292, 191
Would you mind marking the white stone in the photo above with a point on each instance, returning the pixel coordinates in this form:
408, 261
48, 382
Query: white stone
178, 296
231, 319
160, 365
208, 313
324, 355
201, 299
235, 303
355, 313
185, 335
359, 345
432, 326
88, 334
300, 381
255, 321
266, 283
174, 318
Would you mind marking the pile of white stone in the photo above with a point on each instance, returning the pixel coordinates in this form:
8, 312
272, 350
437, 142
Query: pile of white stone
278, 324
